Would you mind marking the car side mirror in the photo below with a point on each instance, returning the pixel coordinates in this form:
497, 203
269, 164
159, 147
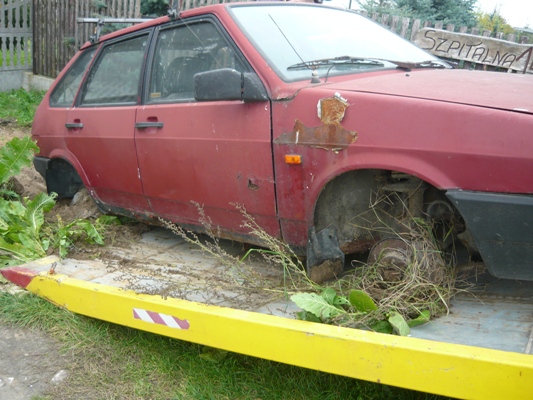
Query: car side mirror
228, 84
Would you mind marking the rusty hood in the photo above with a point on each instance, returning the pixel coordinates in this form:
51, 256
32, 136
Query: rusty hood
479, 88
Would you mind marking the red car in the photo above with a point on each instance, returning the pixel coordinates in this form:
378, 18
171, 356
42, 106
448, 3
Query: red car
326, 127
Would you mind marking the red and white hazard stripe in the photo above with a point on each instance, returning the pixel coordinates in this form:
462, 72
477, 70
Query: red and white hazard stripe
159, 318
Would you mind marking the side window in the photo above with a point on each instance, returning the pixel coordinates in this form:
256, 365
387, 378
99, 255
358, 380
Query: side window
114, 78
65, 92
183, 51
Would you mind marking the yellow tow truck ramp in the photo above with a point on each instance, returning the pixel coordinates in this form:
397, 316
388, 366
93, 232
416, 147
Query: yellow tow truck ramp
481, 350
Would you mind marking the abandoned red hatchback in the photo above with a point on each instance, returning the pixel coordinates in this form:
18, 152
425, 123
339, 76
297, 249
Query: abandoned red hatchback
328, 129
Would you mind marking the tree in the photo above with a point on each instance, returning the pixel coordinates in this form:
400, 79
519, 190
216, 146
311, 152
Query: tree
493, 22
417, 9
457, 12
379, 6
154, 7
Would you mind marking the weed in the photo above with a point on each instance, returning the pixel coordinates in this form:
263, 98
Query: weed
211, 247
275, 252
24, 235
406, 283
19, 106
278, 253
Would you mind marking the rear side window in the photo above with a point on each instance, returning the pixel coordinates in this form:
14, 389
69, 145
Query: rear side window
115, 76
183, 51
65, 93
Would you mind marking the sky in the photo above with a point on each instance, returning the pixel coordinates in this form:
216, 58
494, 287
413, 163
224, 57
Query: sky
517, 13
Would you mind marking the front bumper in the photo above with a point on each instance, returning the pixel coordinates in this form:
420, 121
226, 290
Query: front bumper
502, 227
41, 165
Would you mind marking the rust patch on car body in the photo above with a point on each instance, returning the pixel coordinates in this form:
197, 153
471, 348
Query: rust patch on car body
252, 186
329, 136
331, 110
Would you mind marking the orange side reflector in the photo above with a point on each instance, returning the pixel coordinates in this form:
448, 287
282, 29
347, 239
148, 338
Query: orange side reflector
293, 159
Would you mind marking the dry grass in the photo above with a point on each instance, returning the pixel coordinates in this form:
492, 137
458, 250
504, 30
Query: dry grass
408, 274
408, 277
276, 253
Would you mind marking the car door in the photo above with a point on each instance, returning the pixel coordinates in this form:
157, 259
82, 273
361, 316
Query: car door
100, 130
50, 125
211, 155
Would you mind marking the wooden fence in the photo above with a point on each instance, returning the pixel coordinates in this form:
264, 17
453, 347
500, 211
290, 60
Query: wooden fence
408, 28
56, 34
15, 35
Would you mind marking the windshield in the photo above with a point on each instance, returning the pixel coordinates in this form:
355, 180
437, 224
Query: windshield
292, 36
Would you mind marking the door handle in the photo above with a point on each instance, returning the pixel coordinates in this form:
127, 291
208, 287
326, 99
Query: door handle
74, 125
148, 124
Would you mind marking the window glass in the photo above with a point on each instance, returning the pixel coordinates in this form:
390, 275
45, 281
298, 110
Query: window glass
115, 77
64, 93
291, 38
183, 51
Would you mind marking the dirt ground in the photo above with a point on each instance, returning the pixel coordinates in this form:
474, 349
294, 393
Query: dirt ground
30, 361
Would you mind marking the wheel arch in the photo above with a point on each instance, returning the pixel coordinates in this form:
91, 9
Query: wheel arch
64, 175
348, 201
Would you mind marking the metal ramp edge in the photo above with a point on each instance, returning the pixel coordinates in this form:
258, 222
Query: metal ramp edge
418, 364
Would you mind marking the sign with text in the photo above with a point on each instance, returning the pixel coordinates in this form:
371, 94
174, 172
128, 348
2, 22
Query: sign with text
476, 49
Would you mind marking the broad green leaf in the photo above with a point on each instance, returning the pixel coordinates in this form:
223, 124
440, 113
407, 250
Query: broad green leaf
317, 305
4, 226
307, 316
421, 319
108, 220
32, 245
91, 231
399, 326
9, 194
10, 210
36, 208
341, 301
10, 262
14, 155
16, 251
330, 295
382, 327
46, 244
362, 301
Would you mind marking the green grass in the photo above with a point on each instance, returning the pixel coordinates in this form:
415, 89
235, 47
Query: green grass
115, 362
19, 106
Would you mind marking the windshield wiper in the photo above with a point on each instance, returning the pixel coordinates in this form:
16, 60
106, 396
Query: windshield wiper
431, 64
342, 60
409, 65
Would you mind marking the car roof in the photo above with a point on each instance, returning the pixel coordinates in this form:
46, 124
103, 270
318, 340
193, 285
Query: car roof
209, 9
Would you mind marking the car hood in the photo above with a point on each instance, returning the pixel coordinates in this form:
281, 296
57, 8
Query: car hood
478, 88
